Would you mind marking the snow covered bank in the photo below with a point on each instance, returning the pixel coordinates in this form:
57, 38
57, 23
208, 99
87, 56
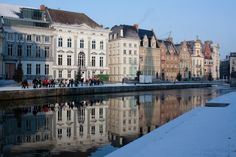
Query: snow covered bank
203, 132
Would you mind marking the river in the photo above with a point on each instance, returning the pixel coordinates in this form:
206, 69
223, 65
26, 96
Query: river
92, 125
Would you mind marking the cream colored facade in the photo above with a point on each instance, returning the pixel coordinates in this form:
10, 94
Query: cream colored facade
197, 60
150, 57
123, 58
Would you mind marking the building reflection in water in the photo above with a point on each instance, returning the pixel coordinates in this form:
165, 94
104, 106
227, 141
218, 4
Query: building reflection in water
82, 127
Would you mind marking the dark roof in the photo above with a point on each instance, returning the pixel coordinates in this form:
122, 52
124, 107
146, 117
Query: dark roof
66, 17
128, 31
143, 32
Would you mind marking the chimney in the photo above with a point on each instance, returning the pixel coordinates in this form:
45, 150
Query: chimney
42, 7
121, 33
135, 26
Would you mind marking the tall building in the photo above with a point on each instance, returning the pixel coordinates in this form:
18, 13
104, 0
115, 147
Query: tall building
123, 52
80, 44
195, 49
208, 60
185, 61
232, 63
149, 53
216, 61
169, 60
27, 39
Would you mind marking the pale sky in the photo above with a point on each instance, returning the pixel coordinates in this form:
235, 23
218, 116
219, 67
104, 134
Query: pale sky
209, 19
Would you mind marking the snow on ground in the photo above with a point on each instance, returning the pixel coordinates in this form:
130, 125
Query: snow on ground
202, 132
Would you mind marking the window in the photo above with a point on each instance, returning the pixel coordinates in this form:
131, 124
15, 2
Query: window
81, 129
59, 59
100, 112
37, 51
69, 42
59, 133
135, 45
59, 118
130, 60
93, 113
101, 45
60, 73
101, 129
68, 132
135, 52
60, 42
135, 60
93, 61
28, 69
130, 45
101, 61
81, 43
28, 50
130, 52
19, 50
124, 52
68, 115
93, 130
46, 69
10, 36
28, 38
69, 73
20, 37
93, 44
124, 44
37, 69
47, 39
124, 70
46, 52
10, 49
69, 60
81, 59
38, 38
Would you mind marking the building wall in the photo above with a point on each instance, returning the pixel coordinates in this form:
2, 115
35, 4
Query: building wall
185, 61
76, 34
216, 61
149, 59
197, 60
11, 35
123, 58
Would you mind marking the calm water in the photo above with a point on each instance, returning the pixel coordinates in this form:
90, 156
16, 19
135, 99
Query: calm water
90, 125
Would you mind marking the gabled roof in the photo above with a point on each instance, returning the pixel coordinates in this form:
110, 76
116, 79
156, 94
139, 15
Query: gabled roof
71, 18
148, 33
168, 44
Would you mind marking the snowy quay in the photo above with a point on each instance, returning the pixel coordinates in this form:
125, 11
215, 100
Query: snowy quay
14, 93
208, 131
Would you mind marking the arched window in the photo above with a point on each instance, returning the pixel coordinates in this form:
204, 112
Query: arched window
101, 45
69, 42
93, 44
81, 59
60, 42
82, 43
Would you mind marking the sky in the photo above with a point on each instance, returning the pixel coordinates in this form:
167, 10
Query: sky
181, 19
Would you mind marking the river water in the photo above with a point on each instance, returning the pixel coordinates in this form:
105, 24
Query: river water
91, 125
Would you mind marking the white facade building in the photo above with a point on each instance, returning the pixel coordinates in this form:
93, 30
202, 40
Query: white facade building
123, 52
80, 43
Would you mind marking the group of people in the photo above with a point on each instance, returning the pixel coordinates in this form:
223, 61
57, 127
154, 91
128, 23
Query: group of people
38, 83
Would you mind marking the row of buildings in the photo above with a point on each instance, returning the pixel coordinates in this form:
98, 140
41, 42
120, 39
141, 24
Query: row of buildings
51, 43
86, 124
